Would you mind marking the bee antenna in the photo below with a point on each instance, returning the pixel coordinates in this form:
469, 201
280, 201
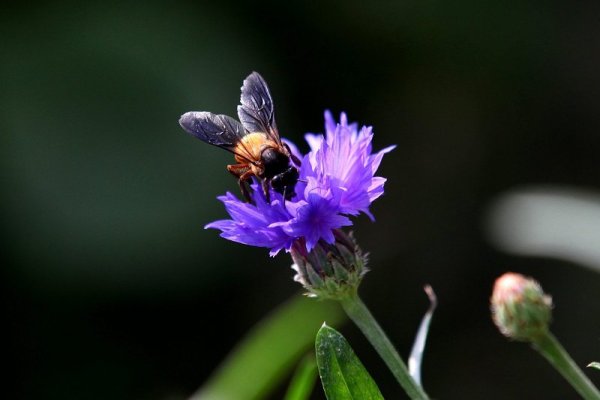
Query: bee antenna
284, 195
302, 180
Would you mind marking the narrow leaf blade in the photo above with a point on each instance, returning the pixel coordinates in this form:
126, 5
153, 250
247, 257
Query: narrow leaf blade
416, 355
342, 374
303, 381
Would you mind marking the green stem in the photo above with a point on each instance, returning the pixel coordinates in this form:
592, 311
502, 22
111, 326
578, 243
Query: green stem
551, 348
362, 317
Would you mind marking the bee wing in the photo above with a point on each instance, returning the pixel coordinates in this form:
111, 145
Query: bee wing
218, 130
256, 111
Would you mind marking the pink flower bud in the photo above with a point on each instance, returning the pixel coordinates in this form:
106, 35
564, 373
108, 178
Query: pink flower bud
520, 308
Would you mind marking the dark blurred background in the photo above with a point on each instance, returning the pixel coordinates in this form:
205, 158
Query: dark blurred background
111, 288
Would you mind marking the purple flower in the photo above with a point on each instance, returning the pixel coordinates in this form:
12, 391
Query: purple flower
336, 179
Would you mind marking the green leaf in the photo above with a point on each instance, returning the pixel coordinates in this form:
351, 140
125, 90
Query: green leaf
595, 364
262, 360
303, 381
342, 374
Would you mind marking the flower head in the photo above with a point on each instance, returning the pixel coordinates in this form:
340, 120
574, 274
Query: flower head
330, 271
337, 179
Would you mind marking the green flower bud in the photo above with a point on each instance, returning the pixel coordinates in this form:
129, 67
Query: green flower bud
330, 271
520, 308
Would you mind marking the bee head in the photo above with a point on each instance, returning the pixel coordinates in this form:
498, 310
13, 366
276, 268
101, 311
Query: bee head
284, 182
274, 161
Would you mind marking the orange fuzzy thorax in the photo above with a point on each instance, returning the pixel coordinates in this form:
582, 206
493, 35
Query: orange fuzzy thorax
251, 146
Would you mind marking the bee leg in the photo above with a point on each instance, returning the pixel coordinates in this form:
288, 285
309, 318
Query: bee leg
245, 191
243, 173
265, 187
238, 170
243, 182
295, 159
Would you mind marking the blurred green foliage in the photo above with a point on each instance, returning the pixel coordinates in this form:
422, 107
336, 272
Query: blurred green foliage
303, 381
109, 280
259, 364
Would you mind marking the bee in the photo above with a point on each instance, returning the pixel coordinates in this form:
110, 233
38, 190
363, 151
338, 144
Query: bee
254, 140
